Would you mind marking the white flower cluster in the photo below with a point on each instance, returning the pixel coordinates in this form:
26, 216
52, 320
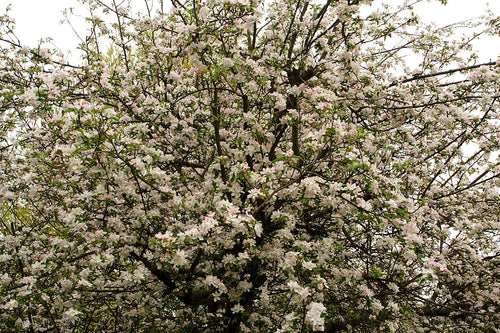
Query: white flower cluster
218, 284
313, 316
299, 290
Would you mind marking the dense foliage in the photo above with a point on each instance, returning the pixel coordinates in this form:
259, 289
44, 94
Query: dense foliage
241, 165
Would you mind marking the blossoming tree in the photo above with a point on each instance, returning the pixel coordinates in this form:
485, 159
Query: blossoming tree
253, 166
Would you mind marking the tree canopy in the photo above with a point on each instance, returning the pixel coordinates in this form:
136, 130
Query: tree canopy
251, 166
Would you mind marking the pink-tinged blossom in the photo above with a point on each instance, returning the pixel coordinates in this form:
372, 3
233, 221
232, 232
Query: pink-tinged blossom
10, 305
254, 193
302, 292
227, 63
309, 265
314, 316
71, 314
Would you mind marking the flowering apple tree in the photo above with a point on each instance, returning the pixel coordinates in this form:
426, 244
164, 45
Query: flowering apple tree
253, 166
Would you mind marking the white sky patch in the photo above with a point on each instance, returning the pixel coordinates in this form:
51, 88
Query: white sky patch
38, 19
457, 11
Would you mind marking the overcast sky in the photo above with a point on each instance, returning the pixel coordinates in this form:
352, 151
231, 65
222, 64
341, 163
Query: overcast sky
40, 18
